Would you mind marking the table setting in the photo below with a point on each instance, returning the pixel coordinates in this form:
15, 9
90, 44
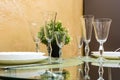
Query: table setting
45, 31
100, 58
49, 31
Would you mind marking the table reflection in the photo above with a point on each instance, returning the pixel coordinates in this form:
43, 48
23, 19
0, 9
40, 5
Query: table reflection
76, 68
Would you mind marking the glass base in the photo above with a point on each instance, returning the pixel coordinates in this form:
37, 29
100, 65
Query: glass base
52, 60
79, 57
86, 77
86, 58
100, 78
49, 60
101, 59
57, 60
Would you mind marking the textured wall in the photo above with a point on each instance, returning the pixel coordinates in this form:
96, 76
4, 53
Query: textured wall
14, 29
14, 32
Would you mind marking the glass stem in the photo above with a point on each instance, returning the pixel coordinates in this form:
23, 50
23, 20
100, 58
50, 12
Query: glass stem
60, 53
87, 49
101, 49
37, 47
101, 70
49, 51
79, 53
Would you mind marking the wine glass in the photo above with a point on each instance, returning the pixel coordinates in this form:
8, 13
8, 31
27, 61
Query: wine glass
34, 29
49, 18
101, 28
79, 44
60, 40
87, 24
35, 22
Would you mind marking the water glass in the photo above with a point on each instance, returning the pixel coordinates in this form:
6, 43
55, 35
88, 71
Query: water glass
34, 26
87, 24
79, 44
49, 18
101, 28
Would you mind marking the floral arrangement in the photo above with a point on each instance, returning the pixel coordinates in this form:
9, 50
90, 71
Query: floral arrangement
57, 28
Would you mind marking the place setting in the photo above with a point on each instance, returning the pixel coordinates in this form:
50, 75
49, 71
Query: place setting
112, 58
21, 60
100, 58
37, 57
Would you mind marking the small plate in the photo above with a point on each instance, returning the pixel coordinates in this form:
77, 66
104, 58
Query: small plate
21, 57
107, 54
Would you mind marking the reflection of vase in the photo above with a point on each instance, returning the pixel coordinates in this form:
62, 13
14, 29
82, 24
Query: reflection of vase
55, 50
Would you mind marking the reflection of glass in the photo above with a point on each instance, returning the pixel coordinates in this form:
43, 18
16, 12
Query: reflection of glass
87, 21
79, 44
60, 40
35, 28
80, 75
49, 23
87, 69
101, 27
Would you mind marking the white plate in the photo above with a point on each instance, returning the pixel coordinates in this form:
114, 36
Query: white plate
21, 57
107, 54
111, 65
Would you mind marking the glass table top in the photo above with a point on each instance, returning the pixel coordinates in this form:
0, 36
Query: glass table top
74, 66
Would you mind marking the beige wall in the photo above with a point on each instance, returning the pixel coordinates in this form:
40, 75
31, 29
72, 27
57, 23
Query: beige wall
14, 32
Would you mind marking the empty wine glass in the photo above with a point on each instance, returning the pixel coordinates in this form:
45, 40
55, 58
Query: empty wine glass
79, 44
34, 29
87, 24
49, 23
101, 28
60, 40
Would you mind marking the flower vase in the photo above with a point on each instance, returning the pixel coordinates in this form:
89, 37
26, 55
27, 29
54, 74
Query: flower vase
55, 50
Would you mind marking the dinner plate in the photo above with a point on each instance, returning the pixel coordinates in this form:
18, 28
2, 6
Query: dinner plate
107, 54
111, 65
21, 57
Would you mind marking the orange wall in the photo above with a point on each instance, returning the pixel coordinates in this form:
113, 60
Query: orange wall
14, 32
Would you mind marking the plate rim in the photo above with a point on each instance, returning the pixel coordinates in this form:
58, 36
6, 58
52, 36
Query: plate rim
11, 60
105, 56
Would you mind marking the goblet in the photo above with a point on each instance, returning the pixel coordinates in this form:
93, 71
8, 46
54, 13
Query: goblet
34, 29
101, 28
60, 40
49, 24
87, 24
79, 44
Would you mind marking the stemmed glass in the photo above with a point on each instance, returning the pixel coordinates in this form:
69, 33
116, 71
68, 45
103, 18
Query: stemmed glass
87, 24
34, 29
79, 44
60, 40
101, 28
49, 23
